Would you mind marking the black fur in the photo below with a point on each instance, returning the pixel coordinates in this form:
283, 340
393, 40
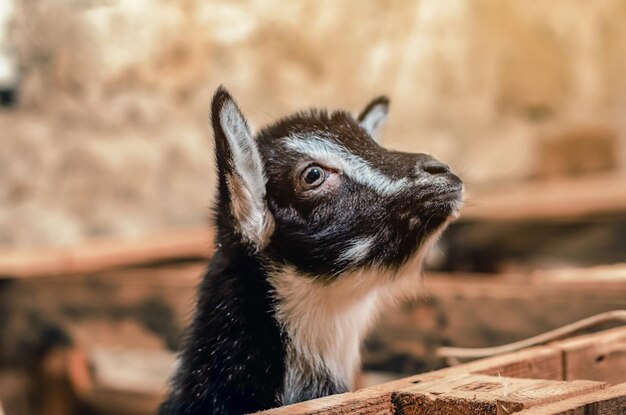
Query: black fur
234, 359
232, 362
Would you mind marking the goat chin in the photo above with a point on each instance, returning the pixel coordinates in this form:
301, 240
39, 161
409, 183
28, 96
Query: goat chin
326, 323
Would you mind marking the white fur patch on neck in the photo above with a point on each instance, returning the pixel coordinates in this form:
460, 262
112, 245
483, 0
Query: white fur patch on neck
350, 164
326, 324
247, 189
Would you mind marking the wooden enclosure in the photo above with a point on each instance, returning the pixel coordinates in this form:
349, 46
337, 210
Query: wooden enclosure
580, 376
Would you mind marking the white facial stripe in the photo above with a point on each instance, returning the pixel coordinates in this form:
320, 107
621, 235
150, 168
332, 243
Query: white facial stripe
350, 164
358, 249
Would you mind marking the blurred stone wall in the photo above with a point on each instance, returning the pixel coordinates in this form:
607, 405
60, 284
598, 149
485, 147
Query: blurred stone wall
111, 132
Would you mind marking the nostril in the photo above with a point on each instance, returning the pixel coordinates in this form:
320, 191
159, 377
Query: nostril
435, 167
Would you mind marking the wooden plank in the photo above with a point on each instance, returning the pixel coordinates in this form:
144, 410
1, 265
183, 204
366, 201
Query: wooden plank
458, 310
600, 356
590, 277
605, 281
542, 362
610, 401
100, 255
581, 357
363, 402
550, 199
485, 395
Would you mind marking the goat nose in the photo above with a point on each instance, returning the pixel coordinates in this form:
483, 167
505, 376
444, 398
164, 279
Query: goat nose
435, 167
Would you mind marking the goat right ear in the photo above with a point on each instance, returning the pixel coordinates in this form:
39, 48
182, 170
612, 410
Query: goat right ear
374, 117
240, 168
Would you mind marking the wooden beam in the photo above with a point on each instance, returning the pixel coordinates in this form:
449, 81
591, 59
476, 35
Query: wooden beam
600, 356
543, 362
610, 401
485, 395
571, 360
106, 254
550, 199
363, 402
589, 277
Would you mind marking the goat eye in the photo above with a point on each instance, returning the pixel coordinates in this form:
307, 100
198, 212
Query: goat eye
312, 177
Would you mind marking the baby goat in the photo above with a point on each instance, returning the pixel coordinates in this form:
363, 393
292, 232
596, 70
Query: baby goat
317, 226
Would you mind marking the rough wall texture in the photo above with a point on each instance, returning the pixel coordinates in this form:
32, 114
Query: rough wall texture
111, 135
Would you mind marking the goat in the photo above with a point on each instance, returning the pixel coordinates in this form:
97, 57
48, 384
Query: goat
317, 227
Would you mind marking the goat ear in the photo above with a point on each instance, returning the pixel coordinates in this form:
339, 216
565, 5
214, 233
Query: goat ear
240, 168
374, 117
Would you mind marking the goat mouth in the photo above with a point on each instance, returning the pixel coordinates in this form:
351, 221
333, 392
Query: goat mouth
448, 203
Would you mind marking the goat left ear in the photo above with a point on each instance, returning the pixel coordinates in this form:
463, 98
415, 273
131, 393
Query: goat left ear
241, 173
374, 117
